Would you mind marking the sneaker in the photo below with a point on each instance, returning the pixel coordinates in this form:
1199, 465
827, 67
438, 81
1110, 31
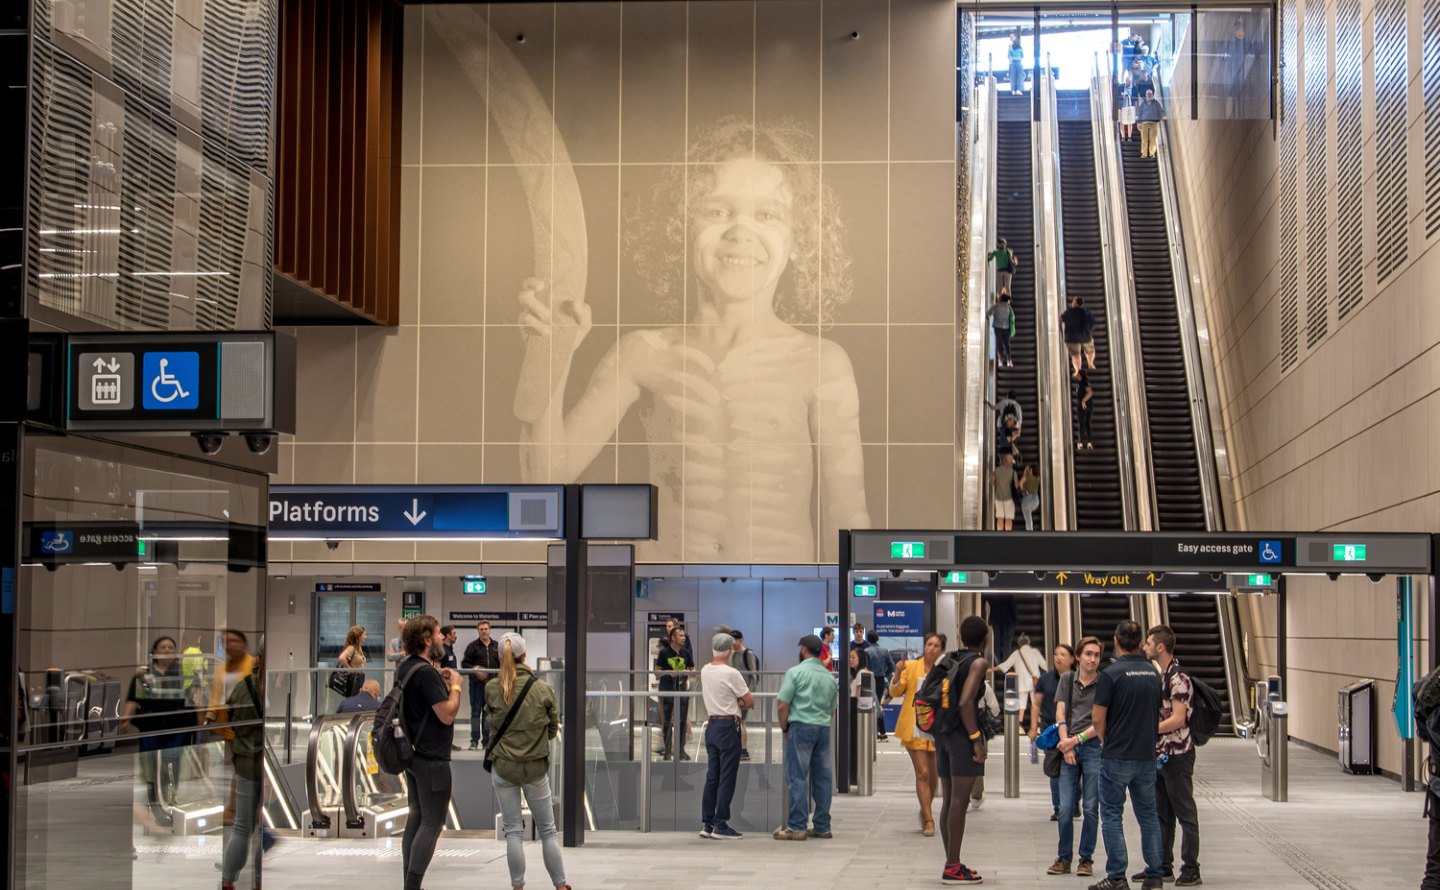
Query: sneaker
1054, 815
959, 873
1153, 884
1086, 868
1061, 867
1110, 884
744, 755
474, 746
707, 831
684, 755
788, 834
1189, 877
1165, 875
724, 832
822, 835
975, 803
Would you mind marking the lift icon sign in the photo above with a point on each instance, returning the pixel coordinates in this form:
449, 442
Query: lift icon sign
171, 381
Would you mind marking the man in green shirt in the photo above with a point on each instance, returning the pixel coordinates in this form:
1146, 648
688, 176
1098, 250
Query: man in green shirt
806, 700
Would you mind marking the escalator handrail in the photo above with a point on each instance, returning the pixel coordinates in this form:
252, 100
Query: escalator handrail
348, 777
1101, 128
1050, 345
1236, 678
281, 789
979, 383
1124, 329
318, 817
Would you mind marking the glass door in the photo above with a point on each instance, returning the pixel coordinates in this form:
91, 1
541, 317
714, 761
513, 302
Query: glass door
335, 614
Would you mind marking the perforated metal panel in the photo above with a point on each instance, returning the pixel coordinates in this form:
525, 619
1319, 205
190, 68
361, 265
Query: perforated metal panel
1289, 197
1391, 157
1430, 77
1317, 138
1349, 159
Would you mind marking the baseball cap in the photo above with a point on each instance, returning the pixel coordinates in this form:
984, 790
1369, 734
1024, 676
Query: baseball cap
811, 643
517, 644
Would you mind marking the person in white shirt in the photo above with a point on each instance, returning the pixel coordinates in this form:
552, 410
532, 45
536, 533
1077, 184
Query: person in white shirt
726, 697
1028, 664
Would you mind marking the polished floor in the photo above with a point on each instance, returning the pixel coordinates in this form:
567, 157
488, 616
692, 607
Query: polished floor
1336, 832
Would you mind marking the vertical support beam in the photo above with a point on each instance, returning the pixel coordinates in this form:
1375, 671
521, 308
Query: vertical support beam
1194, 62
842, 734
1035, 78
577, 609
1282, 635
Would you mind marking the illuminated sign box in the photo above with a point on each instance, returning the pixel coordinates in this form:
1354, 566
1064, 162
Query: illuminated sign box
907, 549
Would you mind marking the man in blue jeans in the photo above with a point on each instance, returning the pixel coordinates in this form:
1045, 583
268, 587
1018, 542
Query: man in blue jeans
805, 702
726, 700
1074, 714
1127, 700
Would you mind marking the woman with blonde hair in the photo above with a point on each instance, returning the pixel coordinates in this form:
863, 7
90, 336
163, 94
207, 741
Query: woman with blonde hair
909, 677
523, 717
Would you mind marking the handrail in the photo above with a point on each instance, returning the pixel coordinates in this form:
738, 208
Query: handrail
351, 806
1236, 679
978, 380
319, 819
1125, 329
1102, 138
1050, 377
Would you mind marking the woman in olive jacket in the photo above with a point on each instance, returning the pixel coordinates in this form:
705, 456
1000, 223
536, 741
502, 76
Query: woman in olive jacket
521, 757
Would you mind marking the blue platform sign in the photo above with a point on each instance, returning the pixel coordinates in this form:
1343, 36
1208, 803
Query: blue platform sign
170, 381
414, 512
899, 619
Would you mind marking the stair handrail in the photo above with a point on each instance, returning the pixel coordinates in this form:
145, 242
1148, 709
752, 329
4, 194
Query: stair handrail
1050, 378
1232, 657
978, 457
1125, 355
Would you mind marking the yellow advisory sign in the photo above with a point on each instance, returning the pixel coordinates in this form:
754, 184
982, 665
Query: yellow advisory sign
1107, 580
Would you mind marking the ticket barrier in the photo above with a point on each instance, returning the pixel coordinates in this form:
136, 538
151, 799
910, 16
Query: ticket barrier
866, 731
1272, 739
1012, 735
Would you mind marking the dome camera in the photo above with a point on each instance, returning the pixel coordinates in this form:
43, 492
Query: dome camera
210, 443
1217, 577
332, 545
895, 573
1375, 577
1333, 576
1040, 576
259, 443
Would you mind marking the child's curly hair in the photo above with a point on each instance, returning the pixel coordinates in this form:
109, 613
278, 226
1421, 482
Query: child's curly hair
657, 236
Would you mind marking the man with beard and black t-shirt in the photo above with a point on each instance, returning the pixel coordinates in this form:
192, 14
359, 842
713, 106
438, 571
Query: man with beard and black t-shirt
673, 658
430, 702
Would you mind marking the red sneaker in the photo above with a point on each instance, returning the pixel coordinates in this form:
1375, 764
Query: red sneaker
959, 873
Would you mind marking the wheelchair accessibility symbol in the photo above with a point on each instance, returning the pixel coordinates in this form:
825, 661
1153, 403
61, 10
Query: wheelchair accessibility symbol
171, 381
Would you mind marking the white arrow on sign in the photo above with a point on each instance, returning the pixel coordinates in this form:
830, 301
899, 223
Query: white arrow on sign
414, 514
100, 365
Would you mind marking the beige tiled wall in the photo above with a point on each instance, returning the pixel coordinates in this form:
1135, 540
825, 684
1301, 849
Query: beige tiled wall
627, 87
1344, 438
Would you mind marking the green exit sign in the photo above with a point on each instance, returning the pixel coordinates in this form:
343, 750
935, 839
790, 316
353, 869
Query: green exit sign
868, 588
1349, 553
956, 578
907, 549
473, 584
1260, 580
140, 547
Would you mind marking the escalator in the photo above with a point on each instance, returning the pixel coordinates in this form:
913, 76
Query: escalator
1015, 222
1098, 501
1199, 647
1099, 613
1175, 467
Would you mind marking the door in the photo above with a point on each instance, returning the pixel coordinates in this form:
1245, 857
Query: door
335, 614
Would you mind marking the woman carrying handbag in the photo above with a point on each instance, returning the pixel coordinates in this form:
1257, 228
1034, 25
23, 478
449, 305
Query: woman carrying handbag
523, 717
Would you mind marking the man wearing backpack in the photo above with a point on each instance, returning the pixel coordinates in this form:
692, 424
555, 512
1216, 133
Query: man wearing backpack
1426, 696
744, 660
1175, 757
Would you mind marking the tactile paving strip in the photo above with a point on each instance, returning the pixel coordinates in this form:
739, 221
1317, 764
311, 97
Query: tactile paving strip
1302, 863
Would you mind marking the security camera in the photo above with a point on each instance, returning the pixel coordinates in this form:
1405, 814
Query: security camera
1333, 576
210, 443
332, 545
854, 35
259, 443
895, 573
520, 38
724, 580
1217, 577
1375, 577
1040, 576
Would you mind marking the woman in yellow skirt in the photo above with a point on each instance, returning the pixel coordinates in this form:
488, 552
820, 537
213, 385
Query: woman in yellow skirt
909, 677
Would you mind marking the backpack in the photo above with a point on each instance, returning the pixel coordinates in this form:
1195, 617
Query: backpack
393, 749
937, 704
1204, 711
1425, 695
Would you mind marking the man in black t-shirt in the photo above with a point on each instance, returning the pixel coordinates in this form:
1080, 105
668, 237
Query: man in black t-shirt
1127, 700
674, 657
427, 710
1078, 324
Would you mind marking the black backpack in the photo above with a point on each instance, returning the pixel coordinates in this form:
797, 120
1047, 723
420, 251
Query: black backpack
393, 749
1426, 700
1204, 713
937, 704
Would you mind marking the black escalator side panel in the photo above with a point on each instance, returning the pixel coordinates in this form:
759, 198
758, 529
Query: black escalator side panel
1196, 622
1174, 463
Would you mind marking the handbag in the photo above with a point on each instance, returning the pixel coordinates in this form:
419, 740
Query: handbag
345, 683
489, 760
1053, 760
1049, 738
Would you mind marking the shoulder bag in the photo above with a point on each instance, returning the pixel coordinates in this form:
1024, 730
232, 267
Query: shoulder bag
505, 724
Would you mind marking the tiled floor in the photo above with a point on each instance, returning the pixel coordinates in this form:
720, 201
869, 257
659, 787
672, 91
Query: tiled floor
1336, 832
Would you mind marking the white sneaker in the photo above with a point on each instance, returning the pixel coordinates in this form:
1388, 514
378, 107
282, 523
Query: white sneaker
975, 803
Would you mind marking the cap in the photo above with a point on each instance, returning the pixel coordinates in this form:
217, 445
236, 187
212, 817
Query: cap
517, 644
722, 642
812, 643
736, 634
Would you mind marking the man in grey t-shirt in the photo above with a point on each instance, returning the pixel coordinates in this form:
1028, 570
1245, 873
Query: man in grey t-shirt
1074, 703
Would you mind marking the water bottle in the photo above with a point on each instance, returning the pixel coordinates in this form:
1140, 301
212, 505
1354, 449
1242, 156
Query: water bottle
1161, 761
1034, 752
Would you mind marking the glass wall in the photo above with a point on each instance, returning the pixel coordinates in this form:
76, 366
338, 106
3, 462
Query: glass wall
141, 615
